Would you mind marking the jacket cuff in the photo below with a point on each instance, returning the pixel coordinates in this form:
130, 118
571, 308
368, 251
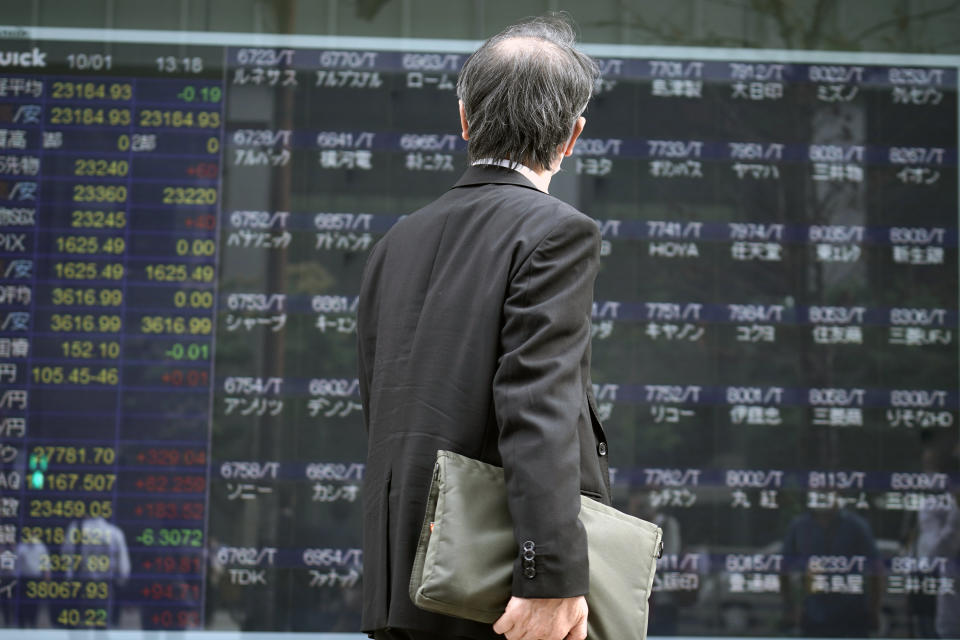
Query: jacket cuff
541, 572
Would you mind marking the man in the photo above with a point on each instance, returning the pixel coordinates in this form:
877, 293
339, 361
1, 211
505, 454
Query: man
474, 336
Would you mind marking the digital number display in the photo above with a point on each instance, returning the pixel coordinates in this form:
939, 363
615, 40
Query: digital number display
182, 234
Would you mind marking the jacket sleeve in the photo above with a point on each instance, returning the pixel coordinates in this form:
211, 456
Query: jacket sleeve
367, 312
538, 396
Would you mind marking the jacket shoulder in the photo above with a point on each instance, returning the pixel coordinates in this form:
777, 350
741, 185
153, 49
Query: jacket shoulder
533, 209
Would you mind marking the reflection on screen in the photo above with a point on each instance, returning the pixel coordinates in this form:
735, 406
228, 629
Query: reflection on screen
182, 231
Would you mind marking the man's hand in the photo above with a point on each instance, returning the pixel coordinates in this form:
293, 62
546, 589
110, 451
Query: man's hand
544, 619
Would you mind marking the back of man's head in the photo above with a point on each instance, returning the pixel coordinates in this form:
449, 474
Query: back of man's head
523, 90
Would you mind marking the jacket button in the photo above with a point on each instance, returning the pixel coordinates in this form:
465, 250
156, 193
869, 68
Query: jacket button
529, 545
530, 572
602, 448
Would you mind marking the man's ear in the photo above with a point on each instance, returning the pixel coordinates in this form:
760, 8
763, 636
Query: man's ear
465, 134
577, 130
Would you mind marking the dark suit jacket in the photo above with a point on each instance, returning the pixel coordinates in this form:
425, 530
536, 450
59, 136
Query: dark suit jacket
474, 336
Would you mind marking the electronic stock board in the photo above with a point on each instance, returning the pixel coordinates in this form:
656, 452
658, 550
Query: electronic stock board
183, 224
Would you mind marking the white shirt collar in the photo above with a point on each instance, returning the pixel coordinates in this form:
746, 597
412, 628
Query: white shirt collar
524, 170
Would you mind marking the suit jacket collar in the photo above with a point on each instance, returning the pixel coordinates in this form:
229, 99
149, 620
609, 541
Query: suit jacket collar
492, 174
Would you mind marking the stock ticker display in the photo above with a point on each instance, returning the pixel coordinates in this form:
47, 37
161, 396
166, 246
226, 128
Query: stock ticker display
182, 233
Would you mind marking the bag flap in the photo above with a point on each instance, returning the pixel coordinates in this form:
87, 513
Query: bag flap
464, 562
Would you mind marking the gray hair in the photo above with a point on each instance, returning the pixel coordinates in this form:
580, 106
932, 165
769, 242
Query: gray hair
524, 89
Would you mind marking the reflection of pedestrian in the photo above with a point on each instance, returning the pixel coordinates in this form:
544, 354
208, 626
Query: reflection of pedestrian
29, 566
938, 535
8, 574
832, 608
104, 557
19, 564
921, 607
